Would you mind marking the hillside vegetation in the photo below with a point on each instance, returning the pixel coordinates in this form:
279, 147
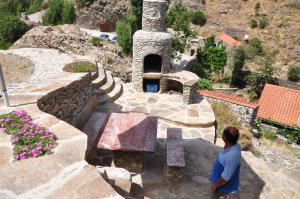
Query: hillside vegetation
281, 33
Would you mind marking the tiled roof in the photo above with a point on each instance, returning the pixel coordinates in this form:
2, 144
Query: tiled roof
228, 98
228, 40
279, 104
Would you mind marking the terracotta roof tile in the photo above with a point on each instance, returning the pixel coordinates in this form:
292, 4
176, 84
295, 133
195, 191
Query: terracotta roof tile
228, 98
279, 104
229, 40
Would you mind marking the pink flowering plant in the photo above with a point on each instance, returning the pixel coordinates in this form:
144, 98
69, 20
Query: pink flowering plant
28, 138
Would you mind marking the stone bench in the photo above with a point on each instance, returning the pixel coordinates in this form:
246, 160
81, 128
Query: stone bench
175, 154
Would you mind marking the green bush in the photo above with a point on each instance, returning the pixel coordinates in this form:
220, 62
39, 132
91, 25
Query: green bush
237, 78
253, 23
263, 22
198, 18
212, 57
11, 28
124, 37
264, 74
257, 8
126, 29
256, 44
204, 84
179, 44
292, 134
53, 15
269, 135
178, 17
4, 45
68, 13
294, 73
95, 41
35, 6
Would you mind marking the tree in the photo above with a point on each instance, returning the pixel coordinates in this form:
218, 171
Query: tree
237, 78
179, 18
12, 28
257, 8
212, 57
264, 74
198, 18
124, 36
34, 6
256, 44
294, 73
53, 15
68, 13
125, 29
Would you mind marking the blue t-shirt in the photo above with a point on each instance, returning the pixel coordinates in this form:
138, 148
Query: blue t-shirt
227, 166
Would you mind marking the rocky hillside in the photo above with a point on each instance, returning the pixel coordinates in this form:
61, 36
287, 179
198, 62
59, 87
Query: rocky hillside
101, 11
281, 33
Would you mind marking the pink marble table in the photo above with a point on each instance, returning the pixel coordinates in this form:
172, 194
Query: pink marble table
129, 132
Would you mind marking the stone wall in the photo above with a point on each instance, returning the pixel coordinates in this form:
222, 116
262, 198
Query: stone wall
246, 114
67, 103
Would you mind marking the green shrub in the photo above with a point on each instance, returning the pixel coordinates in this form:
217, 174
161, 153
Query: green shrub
264, 74
263, 22
256, 44
95, 41
257, 8
212, 57
178, 17
204, 84
294, 73
53, 16
35, 6
179, 44
126, 29
198, 18
124, 37
11, 28
68, 13
253, 23
269, 135
4, 45
80, 67
292, 134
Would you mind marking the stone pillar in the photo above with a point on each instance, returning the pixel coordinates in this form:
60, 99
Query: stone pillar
154, 15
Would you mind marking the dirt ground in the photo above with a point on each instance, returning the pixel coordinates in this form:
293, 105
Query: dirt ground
15, 68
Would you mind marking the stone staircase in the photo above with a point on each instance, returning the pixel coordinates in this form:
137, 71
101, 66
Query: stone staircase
106, 87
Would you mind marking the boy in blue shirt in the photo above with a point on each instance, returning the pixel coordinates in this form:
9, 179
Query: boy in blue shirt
225, 176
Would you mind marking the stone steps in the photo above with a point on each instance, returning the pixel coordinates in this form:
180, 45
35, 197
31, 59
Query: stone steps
107, 87
101, 79
113, 95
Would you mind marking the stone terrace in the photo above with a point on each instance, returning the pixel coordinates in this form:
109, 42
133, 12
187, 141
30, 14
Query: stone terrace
51, 175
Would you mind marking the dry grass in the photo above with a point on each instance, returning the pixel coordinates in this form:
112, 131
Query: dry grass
15, 68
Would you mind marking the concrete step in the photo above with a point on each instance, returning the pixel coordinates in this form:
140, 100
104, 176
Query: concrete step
101, 79
107, 87
113, 95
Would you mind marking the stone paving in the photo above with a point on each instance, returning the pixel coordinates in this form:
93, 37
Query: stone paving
168, 107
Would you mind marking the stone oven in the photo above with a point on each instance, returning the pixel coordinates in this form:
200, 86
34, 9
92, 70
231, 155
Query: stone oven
152, 49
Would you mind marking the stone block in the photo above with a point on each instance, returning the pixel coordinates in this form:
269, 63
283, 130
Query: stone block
175, 154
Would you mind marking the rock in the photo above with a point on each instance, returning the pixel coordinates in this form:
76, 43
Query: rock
66, 38
101, 12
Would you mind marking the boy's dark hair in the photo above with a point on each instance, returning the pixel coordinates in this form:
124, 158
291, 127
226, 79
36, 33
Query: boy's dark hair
231, 135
